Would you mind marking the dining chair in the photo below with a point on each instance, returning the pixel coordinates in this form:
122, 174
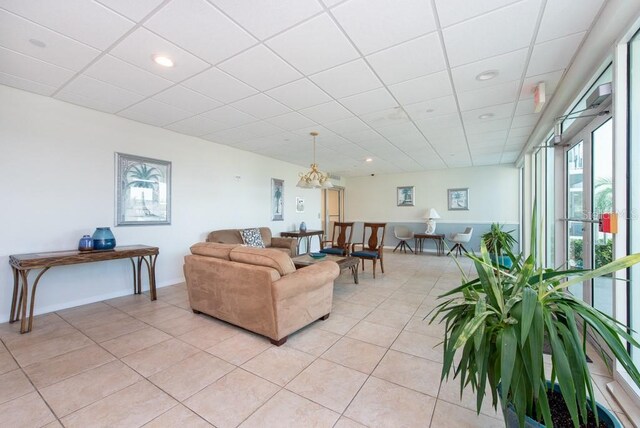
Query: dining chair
372, 245
404, 234
340, 242
460, 239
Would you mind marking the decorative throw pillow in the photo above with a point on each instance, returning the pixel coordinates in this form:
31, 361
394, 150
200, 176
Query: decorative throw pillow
252, 238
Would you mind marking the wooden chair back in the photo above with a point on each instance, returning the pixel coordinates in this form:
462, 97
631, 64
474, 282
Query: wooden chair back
376, 236
341, 237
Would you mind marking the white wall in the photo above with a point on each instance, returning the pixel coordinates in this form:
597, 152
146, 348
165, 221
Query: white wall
57, 183
493, 195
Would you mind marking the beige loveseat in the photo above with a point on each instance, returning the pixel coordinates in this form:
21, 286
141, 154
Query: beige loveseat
258, 289
232, 236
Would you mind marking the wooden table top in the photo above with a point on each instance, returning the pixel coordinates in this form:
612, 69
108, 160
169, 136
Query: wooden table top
298, 234
429, 235
70, 257
307, 260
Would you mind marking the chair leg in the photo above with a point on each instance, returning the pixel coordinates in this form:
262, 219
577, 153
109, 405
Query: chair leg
453, 249
399, 245
374, 268
381, 265
408, 246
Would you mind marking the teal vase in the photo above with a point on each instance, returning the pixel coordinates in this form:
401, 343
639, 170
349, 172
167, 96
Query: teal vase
103, 239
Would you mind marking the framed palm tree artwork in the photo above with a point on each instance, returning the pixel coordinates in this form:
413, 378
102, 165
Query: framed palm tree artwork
458, 199
277, 199
143, 191
406, 196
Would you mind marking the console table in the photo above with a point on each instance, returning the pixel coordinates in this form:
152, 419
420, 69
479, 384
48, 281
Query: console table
306, 235
419, 242
22, 264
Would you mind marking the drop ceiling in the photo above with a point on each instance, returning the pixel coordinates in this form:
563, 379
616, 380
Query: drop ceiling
391, 80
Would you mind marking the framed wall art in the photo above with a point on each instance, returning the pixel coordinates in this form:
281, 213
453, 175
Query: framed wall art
406, 196
458, 199
277, 199
299, 204
143, 191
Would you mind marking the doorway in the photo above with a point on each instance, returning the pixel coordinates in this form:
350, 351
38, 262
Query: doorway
332, 209
588, 192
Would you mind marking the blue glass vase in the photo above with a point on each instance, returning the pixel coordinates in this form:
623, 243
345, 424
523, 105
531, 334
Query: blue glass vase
103, 239
86, 243
303, 227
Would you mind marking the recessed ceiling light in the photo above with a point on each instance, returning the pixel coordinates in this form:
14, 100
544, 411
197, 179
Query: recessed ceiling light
38, 43
485, 116
487, 75
368, 160
162, 60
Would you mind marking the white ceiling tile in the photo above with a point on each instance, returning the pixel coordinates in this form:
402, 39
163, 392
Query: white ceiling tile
305, 46
85, 21
347, 79
525, 120
141, 45
134, 10
198, 27
219, 85
15, 33
409, 142
500, 111
112, 70
423, 88
510, 67
93, 103
291, 121
260, 68
400, 129
449, 122
509, 157
524, 131
432, 108
555, 23
493, 95
368, 102
362, 136
25, 67
327, 112
197, 126
186, 99
378, 24
261, 106
299, 94
260, 129
161, 113
551, 81
494, 33
473, 127
525, 107
554, 55
100, 92
229, 136
26, 85
268, 17
349, 125
229, 116
409, 60
487, 138
453, 11
387, 117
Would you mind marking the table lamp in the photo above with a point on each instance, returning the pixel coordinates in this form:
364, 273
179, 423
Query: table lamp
430, 216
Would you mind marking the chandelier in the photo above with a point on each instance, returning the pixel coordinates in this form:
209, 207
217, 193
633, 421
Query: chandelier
314, 178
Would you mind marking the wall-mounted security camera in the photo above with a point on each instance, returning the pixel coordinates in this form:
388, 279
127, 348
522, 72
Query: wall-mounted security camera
373, 175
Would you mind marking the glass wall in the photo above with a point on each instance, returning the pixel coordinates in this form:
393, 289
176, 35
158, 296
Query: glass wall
633, 291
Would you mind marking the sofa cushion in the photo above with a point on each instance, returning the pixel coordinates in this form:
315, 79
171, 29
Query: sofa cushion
252, 237
263, 257
213, 249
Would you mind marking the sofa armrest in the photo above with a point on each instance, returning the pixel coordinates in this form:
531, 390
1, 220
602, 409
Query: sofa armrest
305, 279
290, 243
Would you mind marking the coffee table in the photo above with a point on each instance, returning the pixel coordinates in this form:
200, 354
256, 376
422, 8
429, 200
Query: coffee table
343, 262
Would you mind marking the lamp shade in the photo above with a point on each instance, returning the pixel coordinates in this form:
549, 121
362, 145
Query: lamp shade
431, 213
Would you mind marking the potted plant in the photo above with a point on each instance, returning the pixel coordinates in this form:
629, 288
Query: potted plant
495, 329
498, 242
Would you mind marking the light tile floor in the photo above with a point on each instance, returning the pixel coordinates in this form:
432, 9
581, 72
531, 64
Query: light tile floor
131, 362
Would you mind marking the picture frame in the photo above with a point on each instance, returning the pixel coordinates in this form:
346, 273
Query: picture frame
299, 204
458, 199
277, 199
406, 196
143, 191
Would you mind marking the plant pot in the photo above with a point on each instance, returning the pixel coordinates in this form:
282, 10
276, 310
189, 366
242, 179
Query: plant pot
511, 419
502, 260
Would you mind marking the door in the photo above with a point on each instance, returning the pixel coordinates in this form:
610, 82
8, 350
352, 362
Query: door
588, 193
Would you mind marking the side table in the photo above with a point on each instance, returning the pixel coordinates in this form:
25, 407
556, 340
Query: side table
438, 238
